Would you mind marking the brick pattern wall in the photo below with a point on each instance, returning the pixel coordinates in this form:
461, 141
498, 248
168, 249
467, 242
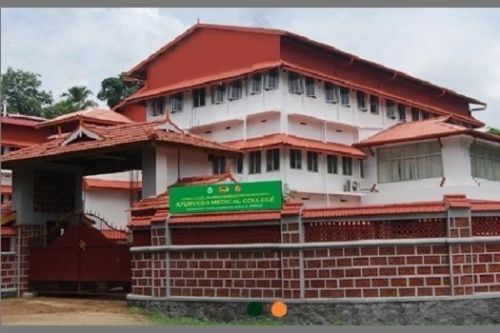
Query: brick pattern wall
378, 271
54, 191
225, 274
226, 235
8, 272
28, 235
361, 271
486, 267
486, 226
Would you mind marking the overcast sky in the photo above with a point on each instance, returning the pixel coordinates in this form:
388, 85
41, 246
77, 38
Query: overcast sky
456, 48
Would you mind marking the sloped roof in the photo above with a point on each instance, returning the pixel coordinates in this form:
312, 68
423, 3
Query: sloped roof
280, 139
95, 115
422, 130
21, 120
113, 136
97, 183
283, 33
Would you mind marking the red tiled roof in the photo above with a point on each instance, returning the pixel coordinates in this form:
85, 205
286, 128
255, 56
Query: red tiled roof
280, 139
113, 234
94, 115
95, 183
113, 136
226, 217
484, 205
291, 208
21, 120
303, 39
6, 189
199, 81
8, 231
457, 201
421, 130
18, 143
209, 179
366, 210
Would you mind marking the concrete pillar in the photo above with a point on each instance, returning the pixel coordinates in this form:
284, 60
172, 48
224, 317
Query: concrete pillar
154, 171
456, 161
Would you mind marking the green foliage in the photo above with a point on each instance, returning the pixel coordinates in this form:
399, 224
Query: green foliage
115, 89
75, 99
58, 109
494, 130
21, 90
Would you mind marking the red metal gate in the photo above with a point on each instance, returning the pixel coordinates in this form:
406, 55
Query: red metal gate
82, 260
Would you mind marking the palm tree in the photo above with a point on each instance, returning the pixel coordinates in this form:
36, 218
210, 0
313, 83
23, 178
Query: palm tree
78, 97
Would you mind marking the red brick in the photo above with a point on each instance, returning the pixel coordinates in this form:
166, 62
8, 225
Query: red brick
377, 261
433, 281
387, 271
396, 260
369, 272
388, 292
328, 293
414, 260
353, 293
407, 292
398, 282
355, 272
370, 292
369, 251
406, 270
344, 262
386, 250
313, 263
487, 278
345, 283
418, 282
440, 270
360, 261
424, 270
380, 282
331, 284
361, 283
424, 291
405, 250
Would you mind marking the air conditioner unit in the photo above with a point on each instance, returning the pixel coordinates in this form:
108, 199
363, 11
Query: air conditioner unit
351, 186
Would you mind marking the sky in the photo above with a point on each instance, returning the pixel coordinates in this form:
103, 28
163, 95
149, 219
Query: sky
455, 48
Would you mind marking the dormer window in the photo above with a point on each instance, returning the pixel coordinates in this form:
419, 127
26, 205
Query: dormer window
157, 106
345, 96
199, 97
361, 99
218, 94
331, 93
256, 84
373, 104
390, 107
177, 102
294, 83
271, 79
310, 87
402, 112
415, 114
235, 90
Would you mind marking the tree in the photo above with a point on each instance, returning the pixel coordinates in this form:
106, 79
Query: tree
21, 90
494, 130
78, 98
115, 89
58, 109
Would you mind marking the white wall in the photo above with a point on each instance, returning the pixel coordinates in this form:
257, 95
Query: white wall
111, 205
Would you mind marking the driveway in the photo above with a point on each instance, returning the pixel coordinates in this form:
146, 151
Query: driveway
67, 311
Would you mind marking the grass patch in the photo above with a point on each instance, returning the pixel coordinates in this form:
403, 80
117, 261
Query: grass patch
160, 319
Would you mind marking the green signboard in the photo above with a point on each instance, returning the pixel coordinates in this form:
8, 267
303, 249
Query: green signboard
226, 197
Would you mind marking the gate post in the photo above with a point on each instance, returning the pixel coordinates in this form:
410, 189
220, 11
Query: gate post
28, 235
159, 237
461, 258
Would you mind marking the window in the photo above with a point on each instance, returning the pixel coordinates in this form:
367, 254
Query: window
361, 99
295, 159
218, 164
199, 97
485, 161
234, 90
239, 164
218, 94
294, 83
157, 106
373, 104
402, 112
345, 96
254, 162
256, 84
332, 164
415, 114
5, 150
272, 79
425, 115
346, 166
310, 87
177, 102
331, 93
410, 162
312, 161
272, 160
361, 169
390, 108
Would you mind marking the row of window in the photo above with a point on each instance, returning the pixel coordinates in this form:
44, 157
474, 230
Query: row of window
273, 162
298, 84
410, 162
485, 161
218, 93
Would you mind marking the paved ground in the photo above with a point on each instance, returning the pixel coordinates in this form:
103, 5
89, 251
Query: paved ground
68, 311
